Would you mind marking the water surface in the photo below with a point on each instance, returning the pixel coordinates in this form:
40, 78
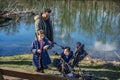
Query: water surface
94, 23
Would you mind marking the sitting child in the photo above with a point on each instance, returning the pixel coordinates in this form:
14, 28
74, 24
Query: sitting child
79, 54
63, 59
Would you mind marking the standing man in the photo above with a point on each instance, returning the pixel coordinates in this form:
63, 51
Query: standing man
43, 22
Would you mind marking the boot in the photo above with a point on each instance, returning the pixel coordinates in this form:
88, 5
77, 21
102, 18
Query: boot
38, 70
42, 70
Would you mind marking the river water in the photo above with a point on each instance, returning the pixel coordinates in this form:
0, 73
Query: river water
96, 24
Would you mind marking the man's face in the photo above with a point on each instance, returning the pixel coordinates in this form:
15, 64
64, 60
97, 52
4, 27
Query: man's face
47, 14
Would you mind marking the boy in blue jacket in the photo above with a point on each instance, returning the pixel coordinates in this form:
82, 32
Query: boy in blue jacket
66, 55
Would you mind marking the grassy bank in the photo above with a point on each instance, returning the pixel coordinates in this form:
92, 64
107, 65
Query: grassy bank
103, 70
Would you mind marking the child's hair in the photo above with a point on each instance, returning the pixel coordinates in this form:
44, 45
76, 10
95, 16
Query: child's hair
78, 44
68, 48
39, 32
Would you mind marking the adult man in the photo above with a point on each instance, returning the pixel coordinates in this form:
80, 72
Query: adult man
43, 22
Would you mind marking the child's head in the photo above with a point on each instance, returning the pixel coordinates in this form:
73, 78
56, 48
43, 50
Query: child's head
78, 44
67, 50
40, 34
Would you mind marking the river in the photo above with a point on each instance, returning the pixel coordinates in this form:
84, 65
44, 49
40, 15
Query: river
96, 24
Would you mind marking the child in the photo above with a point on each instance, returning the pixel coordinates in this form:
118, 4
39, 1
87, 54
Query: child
65, 56
39, 47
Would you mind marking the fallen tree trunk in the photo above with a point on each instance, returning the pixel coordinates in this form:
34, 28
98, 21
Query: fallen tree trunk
16, 12
10, 14
29, 75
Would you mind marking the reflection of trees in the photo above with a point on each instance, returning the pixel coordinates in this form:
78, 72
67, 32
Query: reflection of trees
66, 17
100, 18
10, 28
95, 18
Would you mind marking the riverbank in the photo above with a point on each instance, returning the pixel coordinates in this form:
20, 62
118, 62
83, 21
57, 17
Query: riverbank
105, 70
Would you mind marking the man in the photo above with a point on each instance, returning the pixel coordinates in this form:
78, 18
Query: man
43, 22
39, 47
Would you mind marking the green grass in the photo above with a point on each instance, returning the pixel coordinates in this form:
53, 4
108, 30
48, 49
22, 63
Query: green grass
101, 69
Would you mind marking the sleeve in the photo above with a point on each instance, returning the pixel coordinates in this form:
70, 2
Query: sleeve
48, 42
71, 54
34, 49
62, 54
37, 23
51, 30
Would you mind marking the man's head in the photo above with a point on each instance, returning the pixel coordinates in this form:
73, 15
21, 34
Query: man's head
46, 13
67, 50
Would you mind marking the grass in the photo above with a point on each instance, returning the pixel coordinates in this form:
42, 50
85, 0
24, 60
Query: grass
104, 70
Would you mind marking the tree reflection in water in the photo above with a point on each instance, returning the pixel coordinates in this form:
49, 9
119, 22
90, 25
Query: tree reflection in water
94, 23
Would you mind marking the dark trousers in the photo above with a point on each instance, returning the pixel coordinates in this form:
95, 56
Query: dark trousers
64, 69
40, 68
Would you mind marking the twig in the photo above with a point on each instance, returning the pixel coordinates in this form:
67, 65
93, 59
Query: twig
117, 55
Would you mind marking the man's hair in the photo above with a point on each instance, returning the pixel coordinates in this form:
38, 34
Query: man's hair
47, 10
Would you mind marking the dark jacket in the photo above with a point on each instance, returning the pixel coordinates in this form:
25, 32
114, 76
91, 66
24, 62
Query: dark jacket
67, 58
46, 26
44, 55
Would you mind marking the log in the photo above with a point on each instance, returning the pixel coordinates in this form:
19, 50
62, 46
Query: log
1, 76
15, 12
7, 15
30, 76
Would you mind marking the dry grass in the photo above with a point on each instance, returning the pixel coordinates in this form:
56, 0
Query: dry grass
105, 70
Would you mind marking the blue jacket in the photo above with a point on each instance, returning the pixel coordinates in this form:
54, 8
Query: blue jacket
36, 56
67, 58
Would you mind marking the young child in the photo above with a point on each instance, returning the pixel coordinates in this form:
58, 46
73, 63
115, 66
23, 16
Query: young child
40, 55
66, 55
